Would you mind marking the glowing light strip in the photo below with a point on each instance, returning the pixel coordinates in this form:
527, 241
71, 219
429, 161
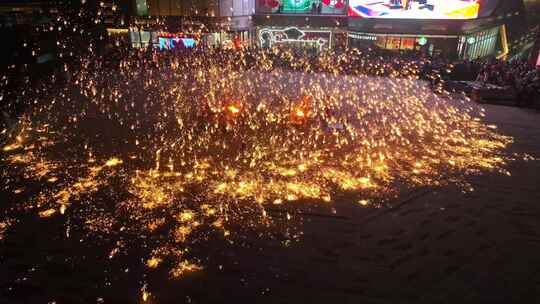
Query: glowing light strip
117, 31
273, 41
504, 42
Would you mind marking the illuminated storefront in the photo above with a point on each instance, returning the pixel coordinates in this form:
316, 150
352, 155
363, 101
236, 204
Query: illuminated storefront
392, 42
141, 39
216, 23
458, 29
482, 44
169, 41
309, 24
163, 40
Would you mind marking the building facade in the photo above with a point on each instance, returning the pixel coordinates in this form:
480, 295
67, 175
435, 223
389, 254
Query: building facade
317, 24
460, 29
167, 23
312, 24
455, 29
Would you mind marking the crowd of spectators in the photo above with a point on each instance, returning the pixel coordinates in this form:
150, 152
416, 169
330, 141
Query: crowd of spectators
520, 76
370, 62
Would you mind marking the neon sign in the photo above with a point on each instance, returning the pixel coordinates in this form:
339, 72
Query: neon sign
269, 37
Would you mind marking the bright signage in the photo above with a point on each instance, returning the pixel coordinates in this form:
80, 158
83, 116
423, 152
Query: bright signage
415, 9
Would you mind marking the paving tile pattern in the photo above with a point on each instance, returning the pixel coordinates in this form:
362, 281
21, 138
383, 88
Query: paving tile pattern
442, 246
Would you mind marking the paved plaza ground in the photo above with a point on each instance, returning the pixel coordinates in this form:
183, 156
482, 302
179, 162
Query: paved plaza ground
434, 246
438, 247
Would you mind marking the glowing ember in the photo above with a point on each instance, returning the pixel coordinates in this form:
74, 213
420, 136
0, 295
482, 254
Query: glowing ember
113, 162
184, 267
4, 227
145, 294
153, 262
363, 202
178, 164
233, 109
47, 213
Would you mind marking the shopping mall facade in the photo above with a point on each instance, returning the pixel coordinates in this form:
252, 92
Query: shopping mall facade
460, 29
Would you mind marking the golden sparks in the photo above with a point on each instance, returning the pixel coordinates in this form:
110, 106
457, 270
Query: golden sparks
178, 158
184, 267
363, 202
145, 294
113, 162
47, 213
153, 262
4, 225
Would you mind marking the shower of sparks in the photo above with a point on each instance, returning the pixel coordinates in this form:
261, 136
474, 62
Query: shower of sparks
196, 146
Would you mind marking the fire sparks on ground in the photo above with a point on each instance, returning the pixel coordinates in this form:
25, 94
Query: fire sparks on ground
179, 161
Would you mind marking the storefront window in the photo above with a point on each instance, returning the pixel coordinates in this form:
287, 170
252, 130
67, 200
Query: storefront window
396, 42
154, 37
481, 44
145, 39
446, 45
408, 43
135, 39
141, 39
141, 7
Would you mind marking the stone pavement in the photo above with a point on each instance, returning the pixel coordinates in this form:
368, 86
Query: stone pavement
439, 246
446, 246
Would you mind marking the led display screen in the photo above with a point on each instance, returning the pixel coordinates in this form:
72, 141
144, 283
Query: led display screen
312, 7
416, 9
172, 43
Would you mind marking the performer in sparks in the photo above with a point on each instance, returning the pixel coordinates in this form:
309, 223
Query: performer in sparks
395, 3
400, 4
405, 4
